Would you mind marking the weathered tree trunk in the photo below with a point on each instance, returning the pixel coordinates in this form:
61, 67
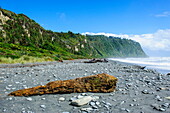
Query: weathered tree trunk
95, 83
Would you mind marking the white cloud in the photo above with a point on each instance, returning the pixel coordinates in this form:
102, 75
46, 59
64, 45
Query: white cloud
164, 14
160, 40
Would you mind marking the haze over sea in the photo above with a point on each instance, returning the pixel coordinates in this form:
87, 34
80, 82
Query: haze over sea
161, 64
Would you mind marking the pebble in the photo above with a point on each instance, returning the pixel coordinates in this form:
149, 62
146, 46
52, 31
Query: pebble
84, 94
87, 109
9, 85
131, 105
61, 99
7, 88
158, 107
107, 103
73, 98
165, 105
96, 97
4, 110
80, 96
43, 99
29, 99
127, 110
43, 106
10, 98
94, 72
97, 103
111, 94
167, 98
145, 91
82, 101
162, 109
92, 103
106, 106
122, 102
123, 109
94, 107
134, 100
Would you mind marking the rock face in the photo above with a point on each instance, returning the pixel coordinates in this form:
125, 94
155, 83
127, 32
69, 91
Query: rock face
101, 83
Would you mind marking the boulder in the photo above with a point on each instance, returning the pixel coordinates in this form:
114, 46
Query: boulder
100, 83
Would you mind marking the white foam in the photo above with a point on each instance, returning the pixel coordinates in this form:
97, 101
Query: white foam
153, 62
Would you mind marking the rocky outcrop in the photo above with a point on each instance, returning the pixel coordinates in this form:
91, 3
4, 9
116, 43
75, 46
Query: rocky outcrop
101, 83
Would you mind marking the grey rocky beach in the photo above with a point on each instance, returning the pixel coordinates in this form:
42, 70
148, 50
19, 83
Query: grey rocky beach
138, 90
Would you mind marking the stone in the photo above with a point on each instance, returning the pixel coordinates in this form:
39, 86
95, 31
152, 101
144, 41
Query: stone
134, 100
158, 98
87, 109
10, 98
81, 101
94, 107
145, 91
100, 83
162, 109
84, 94
165, 105
155, 106
96, 97
61, 99
106, 106
123, 109
43, 99
92, 103
29, 99
80, 96
127, 110
168, 98
43, 106
131, 105
73, 98
97, 103
109, 104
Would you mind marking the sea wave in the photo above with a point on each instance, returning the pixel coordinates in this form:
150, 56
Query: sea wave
162, 64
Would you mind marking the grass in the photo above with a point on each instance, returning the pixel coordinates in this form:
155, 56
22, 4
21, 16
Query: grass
24, 59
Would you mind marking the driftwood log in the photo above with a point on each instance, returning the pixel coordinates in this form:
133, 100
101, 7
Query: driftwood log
96, 60
101, 83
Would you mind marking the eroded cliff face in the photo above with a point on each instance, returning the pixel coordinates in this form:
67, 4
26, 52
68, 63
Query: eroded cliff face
20, 33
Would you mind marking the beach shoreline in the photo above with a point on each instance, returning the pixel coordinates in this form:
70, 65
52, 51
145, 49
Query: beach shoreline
137, 89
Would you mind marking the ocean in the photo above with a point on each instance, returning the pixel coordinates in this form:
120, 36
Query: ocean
161, 64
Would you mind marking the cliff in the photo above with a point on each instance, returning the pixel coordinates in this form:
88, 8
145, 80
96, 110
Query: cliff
20, 35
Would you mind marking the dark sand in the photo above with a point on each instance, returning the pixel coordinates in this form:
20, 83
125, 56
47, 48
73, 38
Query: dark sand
138, 90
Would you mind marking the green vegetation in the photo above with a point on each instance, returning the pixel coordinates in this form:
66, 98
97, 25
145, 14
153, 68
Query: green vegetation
24, 59
104, 46
22, 38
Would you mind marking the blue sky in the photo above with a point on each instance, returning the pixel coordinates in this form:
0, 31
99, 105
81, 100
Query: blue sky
119, 17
